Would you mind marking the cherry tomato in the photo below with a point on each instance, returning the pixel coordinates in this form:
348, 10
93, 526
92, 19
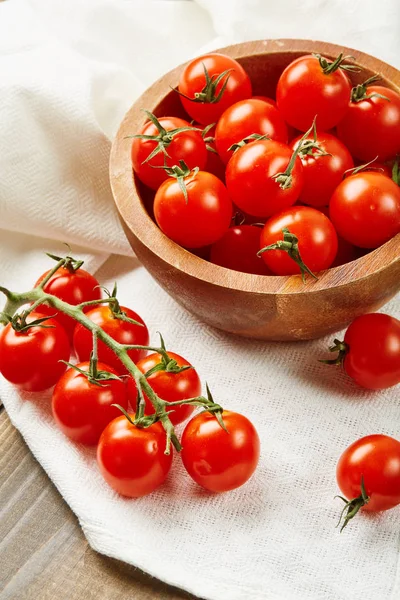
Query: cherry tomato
31, 359
132, 459
322, 171
201, 100
317, 240
365, 209
376, 460
186, 145
217, 460
371, 126
199, 220
372, 351
310, 87
245, 118
168, 386
237, 250
120, 330
72, 286
250, 178
82, 409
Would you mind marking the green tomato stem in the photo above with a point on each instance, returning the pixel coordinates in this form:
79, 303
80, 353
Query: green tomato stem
39, 296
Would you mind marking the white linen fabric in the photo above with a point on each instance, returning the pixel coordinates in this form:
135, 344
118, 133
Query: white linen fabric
68, 72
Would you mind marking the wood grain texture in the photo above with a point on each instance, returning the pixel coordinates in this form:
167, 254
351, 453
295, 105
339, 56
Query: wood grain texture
276, 308
43, 552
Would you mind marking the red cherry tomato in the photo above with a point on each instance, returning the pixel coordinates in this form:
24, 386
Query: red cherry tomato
199, 220
244, 119
83, 409
168, 386
316, 236
304, 91
217, 460
186, 145
72, 286
121, 331
31, 359
250, 178
371, 127
202, 104
322, 172
372, 356
376, 460
237, 250
365, 209
132, 459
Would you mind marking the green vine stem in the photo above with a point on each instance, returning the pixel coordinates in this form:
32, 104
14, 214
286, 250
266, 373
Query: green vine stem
39, 296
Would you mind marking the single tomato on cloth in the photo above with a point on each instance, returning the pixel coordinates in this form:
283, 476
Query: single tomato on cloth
132, 459
210, 84
168, 384
368, 474
370, 351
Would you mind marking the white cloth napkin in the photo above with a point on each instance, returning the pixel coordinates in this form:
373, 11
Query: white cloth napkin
68, 72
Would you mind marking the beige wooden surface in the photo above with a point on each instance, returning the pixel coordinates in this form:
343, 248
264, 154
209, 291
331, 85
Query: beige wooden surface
43, 552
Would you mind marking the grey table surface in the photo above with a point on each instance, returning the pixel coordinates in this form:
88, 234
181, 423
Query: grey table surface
43, 552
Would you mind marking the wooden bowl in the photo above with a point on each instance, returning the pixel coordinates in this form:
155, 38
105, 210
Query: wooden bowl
270, 308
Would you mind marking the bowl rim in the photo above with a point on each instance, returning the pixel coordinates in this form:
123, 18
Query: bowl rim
129, 203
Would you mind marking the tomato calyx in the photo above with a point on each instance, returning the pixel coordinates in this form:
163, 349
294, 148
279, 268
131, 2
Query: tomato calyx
93, 374
163, 139
115, 307
208, 94
396, 171
311, 147
329, 67
352, 507
290, 244
360, 91
166, 363
68, 262
180, 173
338, 346
285, 178
361, 168
246, 140
19, 324
209, 139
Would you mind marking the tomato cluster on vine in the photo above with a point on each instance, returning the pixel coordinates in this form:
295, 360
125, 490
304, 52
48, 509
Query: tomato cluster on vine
287, 163
121, 394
